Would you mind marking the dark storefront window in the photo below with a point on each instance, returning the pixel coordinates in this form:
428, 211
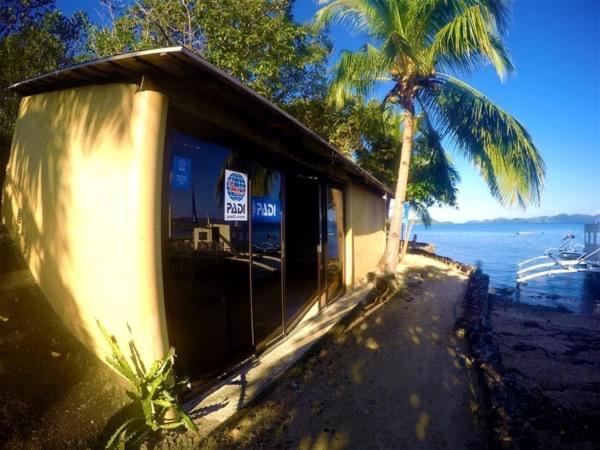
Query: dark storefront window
303, 238
207, 275
229, 289
266, 252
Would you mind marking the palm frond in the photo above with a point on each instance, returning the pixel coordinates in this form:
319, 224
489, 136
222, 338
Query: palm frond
442, 164
396, 16
500, 57
357, 73
421, 20
494, 141
433, 177
501, 11
440, 12
469, 40
395, 44
361, 15
421, 212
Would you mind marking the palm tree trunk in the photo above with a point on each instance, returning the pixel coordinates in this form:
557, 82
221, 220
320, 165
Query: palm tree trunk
392, 250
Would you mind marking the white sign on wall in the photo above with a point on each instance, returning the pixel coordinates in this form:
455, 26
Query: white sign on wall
236, 195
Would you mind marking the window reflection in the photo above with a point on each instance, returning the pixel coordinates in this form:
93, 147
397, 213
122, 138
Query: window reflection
219, 306
207, 273
302, 240
335, 244
266, 252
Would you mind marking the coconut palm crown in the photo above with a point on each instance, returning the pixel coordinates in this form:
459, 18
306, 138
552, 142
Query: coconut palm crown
419, 46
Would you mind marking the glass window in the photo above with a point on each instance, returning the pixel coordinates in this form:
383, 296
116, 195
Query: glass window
302, 243
334, 244
207, 274
266, 252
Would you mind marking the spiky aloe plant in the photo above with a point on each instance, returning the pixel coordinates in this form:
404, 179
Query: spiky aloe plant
154, 391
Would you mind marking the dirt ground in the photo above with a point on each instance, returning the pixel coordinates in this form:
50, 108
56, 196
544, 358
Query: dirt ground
53, 392
393, 378
551, 358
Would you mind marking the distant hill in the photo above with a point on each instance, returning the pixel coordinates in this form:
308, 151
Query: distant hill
559, 218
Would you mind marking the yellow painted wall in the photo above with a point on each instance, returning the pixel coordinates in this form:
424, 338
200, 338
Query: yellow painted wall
82, 197
365, 233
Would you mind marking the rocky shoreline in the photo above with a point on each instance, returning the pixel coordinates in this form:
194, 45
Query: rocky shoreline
539, 369
424, 249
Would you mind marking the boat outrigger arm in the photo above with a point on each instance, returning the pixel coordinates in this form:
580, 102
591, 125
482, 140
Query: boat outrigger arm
558, 261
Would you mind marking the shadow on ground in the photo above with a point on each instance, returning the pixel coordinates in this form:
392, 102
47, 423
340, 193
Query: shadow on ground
53, 392
393, 376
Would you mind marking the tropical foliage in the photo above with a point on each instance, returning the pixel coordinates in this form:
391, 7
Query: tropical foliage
372, 137
255, 41
418, 47
34, 38
154, 393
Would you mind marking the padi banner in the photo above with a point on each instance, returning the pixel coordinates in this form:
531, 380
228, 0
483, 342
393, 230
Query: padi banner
182, 172
236, 195
266, 209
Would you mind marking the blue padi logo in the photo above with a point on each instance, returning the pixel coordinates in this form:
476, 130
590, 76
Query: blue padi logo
236, 186
266, 209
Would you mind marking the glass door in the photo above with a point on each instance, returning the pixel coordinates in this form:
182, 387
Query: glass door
302, 244
235, 283
207, 261
266, 234
334, 245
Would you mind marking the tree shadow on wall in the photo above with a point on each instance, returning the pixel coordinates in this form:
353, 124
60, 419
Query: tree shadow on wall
55, 392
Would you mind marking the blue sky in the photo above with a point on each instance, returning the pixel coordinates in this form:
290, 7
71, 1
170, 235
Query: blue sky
555, 93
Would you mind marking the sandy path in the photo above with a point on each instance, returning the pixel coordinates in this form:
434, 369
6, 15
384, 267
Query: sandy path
392, 379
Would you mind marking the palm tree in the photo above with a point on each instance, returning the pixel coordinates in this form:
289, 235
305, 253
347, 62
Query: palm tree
418, 47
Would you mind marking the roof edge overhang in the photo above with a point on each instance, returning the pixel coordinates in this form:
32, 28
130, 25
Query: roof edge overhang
116, 68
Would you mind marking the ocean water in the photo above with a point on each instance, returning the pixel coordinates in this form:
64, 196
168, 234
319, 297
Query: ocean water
498, 248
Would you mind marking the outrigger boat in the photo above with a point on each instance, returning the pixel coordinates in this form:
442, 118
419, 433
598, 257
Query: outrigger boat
568, 258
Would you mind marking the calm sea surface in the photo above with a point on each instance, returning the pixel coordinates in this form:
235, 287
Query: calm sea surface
498, 248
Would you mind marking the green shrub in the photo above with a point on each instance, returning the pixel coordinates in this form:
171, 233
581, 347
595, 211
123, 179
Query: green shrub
155, 393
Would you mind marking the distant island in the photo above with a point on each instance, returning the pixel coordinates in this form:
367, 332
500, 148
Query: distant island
559, 218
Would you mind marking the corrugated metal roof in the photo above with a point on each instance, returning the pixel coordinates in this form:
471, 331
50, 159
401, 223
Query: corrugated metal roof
172, 62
